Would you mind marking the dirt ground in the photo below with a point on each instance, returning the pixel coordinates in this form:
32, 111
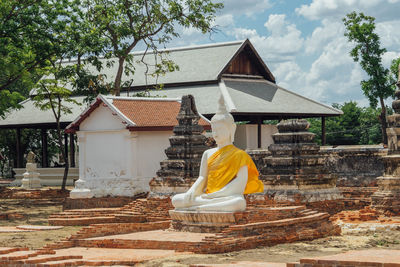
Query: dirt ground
36, 213
33, 212
384, 239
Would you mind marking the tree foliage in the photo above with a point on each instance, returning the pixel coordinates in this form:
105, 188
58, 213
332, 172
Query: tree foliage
52, 94
357, 126
122, 24
360, 29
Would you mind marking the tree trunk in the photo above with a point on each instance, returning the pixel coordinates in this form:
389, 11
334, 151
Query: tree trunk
61, 146
383, 121
118, 77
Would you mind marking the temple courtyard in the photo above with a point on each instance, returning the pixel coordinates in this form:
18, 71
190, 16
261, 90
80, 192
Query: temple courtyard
374, 239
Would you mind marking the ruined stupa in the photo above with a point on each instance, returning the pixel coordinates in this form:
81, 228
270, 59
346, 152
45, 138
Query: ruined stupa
181, 169
295, 171
387, 198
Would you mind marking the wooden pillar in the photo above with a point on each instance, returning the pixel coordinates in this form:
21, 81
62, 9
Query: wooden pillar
72, 150
45, 157
259, 123
323, 129
19, 149
65, 145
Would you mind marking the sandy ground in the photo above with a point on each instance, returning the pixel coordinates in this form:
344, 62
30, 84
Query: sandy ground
33, 214
383, 239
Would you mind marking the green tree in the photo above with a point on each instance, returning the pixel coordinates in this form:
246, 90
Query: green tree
32, 32
394, 75
122, 24
360, 29
357, 126
53, 94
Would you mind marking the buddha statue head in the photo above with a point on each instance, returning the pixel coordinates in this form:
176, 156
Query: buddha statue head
222, 124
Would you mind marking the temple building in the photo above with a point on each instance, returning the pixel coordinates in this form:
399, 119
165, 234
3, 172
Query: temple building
121, 143
233, 69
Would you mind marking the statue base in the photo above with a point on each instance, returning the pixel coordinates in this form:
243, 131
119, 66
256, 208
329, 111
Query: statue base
31, 183
80, 193
204, 222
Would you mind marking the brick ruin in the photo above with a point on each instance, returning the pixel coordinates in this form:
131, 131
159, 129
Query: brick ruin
387, 198
295, 170
181, 169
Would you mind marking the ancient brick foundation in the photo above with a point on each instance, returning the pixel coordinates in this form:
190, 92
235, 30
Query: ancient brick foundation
19, 193
99, 202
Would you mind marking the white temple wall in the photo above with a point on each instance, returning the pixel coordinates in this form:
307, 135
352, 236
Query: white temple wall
114, 161
101, 119
151, 151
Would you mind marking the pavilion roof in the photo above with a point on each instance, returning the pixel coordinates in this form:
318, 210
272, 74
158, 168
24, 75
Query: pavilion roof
197, 64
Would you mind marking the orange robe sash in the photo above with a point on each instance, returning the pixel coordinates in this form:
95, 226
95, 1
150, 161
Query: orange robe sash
224, 165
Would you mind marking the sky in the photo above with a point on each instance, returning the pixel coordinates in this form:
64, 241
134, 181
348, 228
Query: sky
303, 43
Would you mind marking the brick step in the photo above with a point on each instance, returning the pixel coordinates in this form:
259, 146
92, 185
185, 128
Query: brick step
129, 212
136, 244
73, 216
80, 221
92, 210
47, 258
84, 221
6, 250
62, 263
290, 221
110, 263
18, 255
308, 212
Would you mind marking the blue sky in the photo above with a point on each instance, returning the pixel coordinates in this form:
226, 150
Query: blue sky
302, 42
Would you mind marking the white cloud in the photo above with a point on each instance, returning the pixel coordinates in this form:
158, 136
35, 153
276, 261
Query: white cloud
321, 9
328, 31
281, 45
389, 33
248, 7
388, 57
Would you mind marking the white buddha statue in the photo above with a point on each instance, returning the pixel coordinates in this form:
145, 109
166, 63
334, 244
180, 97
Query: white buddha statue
226, 172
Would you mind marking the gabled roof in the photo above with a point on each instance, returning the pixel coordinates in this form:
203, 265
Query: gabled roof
138, 113
251, 97
197, 64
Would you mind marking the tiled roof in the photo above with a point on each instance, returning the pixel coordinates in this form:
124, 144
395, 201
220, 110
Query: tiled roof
151, 113
146, 114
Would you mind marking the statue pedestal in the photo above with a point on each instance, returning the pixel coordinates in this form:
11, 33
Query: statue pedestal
80, 190
205, 222
31, 178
